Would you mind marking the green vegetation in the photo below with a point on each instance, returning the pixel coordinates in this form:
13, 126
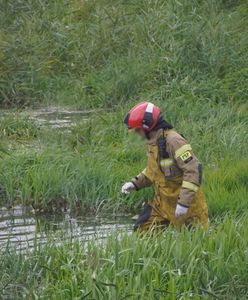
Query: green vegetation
185, 265
103, 53
190, 58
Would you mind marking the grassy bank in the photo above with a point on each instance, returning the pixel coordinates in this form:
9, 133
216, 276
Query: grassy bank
185, 265
102, 53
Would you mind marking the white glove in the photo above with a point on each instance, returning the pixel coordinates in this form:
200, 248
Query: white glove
181, 210
127, 188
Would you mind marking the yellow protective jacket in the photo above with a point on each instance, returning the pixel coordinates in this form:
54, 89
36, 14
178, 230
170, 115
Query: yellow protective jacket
176, 174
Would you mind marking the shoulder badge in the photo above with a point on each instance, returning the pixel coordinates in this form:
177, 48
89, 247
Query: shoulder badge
186, 156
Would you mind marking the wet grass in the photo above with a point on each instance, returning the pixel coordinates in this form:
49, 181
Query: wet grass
174, 265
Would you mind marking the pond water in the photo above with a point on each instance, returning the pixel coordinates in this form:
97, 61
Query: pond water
53, 117
21, 228
59, 117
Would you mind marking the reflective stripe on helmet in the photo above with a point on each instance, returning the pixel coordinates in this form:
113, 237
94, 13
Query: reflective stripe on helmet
182, 149
190, 186
148, 119
150, 107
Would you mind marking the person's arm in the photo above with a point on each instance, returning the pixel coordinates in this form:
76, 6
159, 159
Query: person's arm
138, 182
191, 167
141, 181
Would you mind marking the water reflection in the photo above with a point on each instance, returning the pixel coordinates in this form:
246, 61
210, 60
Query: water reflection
59, 117
21, 228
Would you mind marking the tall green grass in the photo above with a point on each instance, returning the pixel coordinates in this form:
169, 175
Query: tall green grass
173, 265
102, 53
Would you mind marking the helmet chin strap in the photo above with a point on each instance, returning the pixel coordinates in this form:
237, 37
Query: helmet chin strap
147, 134
150, 134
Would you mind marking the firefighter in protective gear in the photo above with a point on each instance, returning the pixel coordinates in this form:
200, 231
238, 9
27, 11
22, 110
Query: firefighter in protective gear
173, 170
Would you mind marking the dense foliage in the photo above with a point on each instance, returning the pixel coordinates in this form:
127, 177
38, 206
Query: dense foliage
102, 53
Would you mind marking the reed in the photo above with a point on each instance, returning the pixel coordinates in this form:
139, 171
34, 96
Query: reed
171, 265
102, 53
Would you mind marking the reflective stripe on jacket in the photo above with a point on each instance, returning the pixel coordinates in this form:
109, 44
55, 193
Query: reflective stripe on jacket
181, 162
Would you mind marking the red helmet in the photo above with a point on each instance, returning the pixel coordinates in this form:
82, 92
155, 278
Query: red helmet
144, 115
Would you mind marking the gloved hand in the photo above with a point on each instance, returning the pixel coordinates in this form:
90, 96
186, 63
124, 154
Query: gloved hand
181, 210
128, 187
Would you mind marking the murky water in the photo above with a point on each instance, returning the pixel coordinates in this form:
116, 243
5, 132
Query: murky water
20, 228
53, 117
59, 117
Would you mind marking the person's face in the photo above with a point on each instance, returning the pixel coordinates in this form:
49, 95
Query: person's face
140, 132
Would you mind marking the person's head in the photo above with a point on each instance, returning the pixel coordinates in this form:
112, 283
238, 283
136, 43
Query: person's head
145, 118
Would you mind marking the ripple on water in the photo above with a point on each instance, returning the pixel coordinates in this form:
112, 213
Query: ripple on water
22, 229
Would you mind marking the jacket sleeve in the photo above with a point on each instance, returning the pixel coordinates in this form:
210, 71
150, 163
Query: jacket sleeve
141, 181
191, 167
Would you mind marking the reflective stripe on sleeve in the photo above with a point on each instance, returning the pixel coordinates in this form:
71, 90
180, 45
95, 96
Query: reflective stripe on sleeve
190, 186
146, 173
182, 149
166, 162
